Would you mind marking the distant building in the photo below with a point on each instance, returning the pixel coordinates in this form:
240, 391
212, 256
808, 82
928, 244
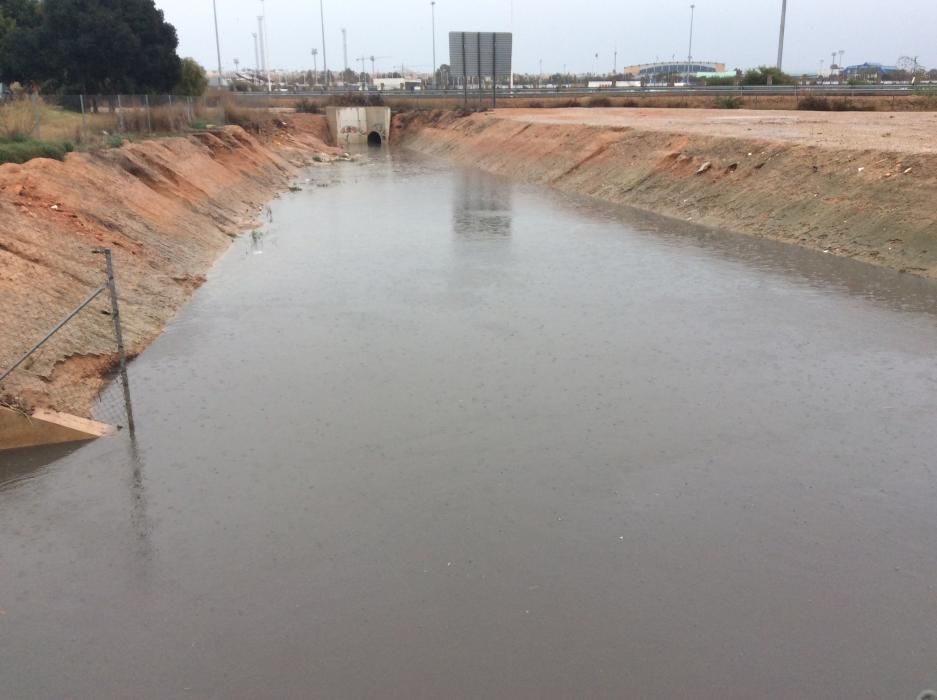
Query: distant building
398, 84
871, 71
650, 70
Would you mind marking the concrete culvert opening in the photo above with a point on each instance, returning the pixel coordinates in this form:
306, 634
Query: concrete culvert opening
374, 139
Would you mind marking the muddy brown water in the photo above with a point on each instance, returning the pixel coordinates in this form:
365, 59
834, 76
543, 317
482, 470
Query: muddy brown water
432, 434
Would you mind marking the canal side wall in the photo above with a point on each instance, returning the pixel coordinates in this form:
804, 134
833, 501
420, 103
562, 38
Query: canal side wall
871, 205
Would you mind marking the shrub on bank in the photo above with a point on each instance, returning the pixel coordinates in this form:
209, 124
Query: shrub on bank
307, 106
599, 102
812, 103
729, 102
25, 150
243, 117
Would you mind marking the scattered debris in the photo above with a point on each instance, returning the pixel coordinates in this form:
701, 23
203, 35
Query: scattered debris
704, 168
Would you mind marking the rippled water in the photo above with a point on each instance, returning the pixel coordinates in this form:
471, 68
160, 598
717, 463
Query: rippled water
434, 434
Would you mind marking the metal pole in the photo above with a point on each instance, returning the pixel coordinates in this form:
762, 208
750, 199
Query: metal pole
58, 327
118, 333
494, 72
256, 57
84, 119
433, 7
214, 7
689, 56
266, 48
464, 72
263, 51
781, 37
36, 120
120, 116
325, 60
149, 121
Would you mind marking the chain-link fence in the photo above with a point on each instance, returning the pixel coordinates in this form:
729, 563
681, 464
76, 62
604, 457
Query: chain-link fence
82, 119
79, 366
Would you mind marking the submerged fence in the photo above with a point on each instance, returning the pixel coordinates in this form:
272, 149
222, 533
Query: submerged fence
93, 382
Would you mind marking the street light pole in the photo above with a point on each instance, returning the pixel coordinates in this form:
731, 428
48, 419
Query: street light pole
263, 48
433, 9
325, 64
256, 58
214, 7
781, 38
265, 41
689, 56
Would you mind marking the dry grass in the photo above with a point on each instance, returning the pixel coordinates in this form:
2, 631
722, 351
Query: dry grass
17, 120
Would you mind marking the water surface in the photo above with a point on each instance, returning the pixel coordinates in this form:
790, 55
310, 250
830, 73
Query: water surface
434, 434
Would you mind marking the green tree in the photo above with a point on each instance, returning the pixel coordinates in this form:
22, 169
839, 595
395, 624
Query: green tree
760, 75
95, 46
19, 20
194, 79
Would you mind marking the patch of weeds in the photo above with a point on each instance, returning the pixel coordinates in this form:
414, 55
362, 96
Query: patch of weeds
199, 124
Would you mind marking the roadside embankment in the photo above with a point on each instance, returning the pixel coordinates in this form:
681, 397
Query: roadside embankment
167, 208
849, 184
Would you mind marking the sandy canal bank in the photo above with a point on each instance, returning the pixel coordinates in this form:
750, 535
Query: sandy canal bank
166, 207
859, 185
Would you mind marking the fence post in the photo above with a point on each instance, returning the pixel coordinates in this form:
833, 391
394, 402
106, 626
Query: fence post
120, 117
118, 333
84, 119
188, 108
149, 121
36, 121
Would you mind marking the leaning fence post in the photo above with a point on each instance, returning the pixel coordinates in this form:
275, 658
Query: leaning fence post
118, 333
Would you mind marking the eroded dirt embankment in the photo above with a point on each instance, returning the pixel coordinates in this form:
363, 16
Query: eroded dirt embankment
167, 208
869, 199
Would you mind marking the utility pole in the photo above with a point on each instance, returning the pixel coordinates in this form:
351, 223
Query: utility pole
325, 65
781, 38
315, 67
433, 9
214, 7
689, 56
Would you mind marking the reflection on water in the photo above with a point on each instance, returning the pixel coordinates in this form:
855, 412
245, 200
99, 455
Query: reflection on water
482, 207
17, 466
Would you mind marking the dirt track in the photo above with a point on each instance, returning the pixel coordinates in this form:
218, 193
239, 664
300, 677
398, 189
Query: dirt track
859, 185
167, 208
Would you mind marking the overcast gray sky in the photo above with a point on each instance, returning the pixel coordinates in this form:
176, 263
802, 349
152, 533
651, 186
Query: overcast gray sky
741, 33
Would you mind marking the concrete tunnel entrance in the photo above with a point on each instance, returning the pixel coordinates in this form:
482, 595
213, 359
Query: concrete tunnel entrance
353, 126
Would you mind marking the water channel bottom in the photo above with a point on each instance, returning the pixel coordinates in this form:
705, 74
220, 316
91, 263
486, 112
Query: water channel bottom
431, 434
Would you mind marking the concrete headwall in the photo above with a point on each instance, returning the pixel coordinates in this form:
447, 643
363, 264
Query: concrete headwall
350, 126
